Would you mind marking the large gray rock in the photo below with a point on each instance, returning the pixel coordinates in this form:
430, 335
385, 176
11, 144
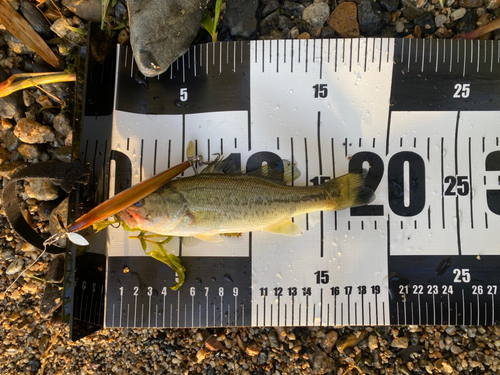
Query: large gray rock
240, 17
162, 30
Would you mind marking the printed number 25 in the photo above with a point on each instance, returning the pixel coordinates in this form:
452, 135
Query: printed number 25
462, 90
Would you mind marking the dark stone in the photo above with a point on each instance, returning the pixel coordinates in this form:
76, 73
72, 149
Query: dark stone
369, 18
293, 9
410, 12
285, 23
467, 23
262, 358
273, 339
162, 30
389, 5
269, 23
327, 32
33, 366
89, 10
270, 7
320, 362
10, 139
45, 208
3, 75
16, 45
36, 19
9, 105
51, 300
240, 17
55, 274
426, 23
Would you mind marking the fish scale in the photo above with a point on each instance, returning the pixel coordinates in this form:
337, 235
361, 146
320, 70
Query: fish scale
420, 115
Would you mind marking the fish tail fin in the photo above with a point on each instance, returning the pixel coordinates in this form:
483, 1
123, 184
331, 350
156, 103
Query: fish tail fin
350, 190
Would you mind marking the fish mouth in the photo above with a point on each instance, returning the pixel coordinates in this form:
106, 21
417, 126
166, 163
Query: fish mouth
128, 217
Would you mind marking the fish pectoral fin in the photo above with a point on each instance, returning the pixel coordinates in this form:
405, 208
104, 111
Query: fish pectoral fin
286, 228
190, 241
209, 237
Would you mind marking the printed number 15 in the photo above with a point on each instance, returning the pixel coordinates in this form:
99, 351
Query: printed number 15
320, 90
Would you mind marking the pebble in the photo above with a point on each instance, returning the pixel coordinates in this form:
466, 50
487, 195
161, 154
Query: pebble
369, 18
63, 154
329, 341
41, 189
471, 3
457, 14
320, 362
316, 15
400, 342
11, 141
30, 152
372, 342
270, 7
55, 274
492, 4
304, 35
389, 5
30, 131
213, 344
51, 300
252, 350
8, 169
4, 155
273, 339
269, 22
16, 45
400, 26
15, 267
293, 9
7, 254
89, 10
344, 20
240, 17
9, 105
439, 20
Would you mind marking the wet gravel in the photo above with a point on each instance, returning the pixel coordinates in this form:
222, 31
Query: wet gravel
34, 341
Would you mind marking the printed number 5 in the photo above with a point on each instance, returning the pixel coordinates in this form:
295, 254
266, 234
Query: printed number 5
184, 95
462, 90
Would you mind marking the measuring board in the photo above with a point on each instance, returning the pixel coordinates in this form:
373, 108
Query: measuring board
421, 115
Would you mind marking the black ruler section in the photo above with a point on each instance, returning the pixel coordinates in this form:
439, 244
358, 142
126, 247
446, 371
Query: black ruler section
451, 290
88, 287
215, 77
216, 293
445, 75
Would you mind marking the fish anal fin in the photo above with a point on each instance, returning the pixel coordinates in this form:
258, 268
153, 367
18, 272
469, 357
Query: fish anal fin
190, 241
285, 228
209, 237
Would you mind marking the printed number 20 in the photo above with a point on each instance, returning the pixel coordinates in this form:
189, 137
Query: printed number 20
462, 90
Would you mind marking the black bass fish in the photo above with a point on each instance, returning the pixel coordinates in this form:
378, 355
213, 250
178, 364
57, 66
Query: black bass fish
210, 204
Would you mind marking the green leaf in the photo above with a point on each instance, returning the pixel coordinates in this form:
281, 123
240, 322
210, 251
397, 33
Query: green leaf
207, 23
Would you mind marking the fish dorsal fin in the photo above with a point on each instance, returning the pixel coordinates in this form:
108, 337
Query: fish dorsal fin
209, 237
283, 170
285, 228
219, 165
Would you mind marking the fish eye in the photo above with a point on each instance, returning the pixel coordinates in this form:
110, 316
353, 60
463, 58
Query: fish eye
139, 203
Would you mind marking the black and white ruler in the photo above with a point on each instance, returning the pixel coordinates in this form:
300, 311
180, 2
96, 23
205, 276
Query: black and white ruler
423, 115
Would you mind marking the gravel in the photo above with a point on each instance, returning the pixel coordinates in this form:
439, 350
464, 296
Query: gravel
34, 341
